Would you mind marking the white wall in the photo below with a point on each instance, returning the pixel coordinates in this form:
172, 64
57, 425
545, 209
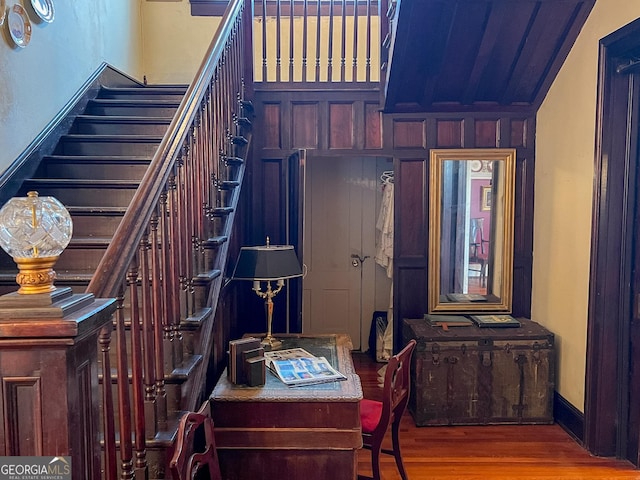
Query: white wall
174, 42
158, 39
38, 80
565, 146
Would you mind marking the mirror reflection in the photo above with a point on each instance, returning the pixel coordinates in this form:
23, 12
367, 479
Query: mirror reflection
471, 230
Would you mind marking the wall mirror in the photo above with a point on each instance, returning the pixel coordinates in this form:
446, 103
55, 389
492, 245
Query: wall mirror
471, 196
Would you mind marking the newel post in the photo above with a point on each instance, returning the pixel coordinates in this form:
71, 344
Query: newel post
49, 371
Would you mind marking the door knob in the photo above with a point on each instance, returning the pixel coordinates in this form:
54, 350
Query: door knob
356, 259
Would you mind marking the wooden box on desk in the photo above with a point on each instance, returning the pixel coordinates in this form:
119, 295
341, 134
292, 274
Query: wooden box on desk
476, 376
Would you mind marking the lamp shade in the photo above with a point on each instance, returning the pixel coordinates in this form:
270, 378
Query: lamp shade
267, 262
34, 227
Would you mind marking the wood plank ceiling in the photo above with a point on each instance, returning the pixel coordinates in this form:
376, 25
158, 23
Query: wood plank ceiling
478, 55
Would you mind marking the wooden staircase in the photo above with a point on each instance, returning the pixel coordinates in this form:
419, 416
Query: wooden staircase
95, 169
152, 177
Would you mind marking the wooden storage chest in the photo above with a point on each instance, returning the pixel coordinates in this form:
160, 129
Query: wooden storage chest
479, 376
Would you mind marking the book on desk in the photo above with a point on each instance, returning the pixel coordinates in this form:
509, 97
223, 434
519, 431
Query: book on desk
240, 352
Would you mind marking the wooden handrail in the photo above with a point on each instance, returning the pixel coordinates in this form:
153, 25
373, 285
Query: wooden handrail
159, 264
113, 268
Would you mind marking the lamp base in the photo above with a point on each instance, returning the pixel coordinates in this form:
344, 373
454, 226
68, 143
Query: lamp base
269, 342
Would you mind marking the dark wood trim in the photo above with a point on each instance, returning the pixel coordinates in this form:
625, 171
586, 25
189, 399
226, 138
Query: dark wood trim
209, 8
606, 387
407, 138
568, 417
581, 12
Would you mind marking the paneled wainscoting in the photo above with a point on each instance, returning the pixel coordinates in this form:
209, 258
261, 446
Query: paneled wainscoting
495, 452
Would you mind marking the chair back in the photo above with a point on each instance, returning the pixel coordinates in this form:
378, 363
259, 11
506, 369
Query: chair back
397, 385
195, 455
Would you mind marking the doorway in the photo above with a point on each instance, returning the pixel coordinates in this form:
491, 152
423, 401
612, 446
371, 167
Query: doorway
343, 285
612, 415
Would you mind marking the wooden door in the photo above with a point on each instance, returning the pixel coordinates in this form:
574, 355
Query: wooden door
339, 243
296, 172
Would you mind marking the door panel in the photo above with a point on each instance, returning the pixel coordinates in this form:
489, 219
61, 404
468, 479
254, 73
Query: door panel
332, 234
296, 172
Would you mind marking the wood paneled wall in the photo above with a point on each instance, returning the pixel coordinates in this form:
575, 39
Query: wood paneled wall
349, 123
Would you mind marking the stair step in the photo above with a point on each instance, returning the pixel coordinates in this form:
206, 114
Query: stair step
86, 193
144, 92
215, 242
120, 145
239, 140
247, 106
83, 259
133, 107
120, 124
98, 221
96, 167
234, 160
205, 278
228, 184
221, 211
194, 322
244, 122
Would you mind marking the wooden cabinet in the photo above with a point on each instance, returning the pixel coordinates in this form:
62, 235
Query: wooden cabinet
470, 375
50, 398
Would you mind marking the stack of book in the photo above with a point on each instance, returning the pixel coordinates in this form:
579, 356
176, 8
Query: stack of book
482, 321
244, 357
446, 321
495, 321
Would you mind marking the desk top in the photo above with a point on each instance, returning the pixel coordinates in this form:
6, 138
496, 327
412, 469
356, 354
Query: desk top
337, 350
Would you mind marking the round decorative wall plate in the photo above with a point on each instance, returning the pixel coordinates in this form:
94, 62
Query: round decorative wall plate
3, 11
19, 25
44, 9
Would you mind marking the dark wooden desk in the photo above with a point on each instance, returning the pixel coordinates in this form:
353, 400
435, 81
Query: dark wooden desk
306, 433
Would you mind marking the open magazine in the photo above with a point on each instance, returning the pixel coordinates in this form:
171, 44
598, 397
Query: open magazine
297, 367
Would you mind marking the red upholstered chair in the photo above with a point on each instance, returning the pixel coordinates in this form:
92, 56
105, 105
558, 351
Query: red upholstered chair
376, 417
195, 455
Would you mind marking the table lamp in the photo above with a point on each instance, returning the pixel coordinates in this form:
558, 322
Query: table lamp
267, 263
34, 231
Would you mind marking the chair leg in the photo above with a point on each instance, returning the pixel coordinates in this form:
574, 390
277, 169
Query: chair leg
397, 454
375, 460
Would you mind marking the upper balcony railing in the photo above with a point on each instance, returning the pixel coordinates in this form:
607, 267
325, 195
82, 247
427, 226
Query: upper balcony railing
317, 41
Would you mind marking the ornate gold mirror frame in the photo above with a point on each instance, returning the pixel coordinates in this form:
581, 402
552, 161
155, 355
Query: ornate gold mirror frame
471, 215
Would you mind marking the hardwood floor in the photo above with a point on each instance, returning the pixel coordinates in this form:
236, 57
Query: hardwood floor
500, 452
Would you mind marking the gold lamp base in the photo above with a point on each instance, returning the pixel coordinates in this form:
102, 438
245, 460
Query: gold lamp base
270, 342
36, 275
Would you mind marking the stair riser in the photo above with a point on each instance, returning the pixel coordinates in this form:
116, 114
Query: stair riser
97, 196
132, 110
119, 128
120, 148
96, 171
81, 260
97, 225
144, 93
